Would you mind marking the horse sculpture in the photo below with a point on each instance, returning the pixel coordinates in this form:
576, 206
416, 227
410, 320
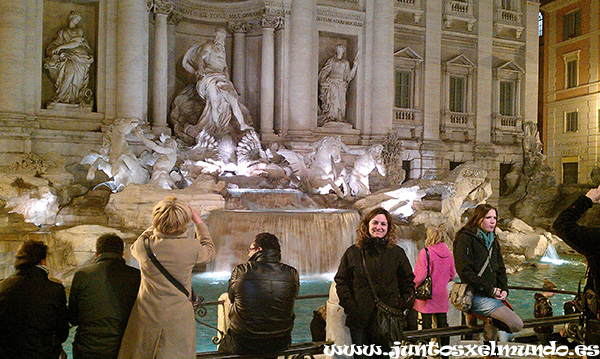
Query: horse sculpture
116, 158
318, 174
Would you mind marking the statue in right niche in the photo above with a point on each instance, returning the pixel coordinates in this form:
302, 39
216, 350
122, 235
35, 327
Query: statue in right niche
334, 78
68, 61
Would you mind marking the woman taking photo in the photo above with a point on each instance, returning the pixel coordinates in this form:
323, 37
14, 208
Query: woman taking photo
436, 261
162, 322
390, 272
473, 245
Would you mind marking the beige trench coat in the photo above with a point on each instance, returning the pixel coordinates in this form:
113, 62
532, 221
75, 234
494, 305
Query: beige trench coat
162, 323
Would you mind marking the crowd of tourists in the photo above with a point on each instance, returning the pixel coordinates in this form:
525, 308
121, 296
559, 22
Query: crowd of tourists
123, 312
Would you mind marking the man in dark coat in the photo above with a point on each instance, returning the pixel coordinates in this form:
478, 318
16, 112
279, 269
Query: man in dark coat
101, 298
33, 308
262, 292
586, 241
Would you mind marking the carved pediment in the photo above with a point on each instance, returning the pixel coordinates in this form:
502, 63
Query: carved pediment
407, 57
460, 60
509, 71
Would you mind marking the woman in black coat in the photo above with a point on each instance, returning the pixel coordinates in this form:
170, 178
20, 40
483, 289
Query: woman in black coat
474, 243
390, 272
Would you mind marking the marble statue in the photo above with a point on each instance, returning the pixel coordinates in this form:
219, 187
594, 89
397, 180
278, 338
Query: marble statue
207, 62
68, 61
116, 158
363, 166
164, 158
334, 78
318, 173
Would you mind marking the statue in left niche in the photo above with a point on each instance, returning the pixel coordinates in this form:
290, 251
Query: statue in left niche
68, 62
116, 159
222, 113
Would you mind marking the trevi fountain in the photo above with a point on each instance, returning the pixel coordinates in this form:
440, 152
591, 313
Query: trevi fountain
252, 115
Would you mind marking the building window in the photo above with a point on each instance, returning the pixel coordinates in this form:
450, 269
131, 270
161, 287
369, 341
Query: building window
571, 73
403, 89
507, 5
457, 94
570, 172
540, 24
572, 25
571, 119
507, 95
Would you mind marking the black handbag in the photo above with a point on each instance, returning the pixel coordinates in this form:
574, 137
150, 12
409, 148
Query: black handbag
425, 290
389, 320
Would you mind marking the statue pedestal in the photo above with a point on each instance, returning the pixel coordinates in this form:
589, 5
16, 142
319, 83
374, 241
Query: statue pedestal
350, 136
69, 107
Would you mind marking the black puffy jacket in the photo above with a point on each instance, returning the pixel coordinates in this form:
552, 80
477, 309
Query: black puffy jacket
470, 254
262, 292
392, 278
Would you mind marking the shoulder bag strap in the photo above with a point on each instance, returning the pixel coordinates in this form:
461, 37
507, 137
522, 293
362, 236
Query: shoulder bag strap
487, 261
166, 273
369, 277
427, 251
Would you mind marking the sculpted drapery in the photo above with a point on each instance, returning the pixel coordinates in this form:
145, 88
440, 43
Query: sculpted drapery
334, 78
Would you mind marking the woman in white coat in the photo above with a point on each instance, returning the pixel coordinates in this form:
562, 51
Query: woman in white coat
162, 322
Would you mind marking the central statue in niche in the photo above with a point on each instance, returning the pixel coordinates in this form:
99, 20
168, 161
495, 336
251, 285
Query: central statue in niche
212, 104
334, 78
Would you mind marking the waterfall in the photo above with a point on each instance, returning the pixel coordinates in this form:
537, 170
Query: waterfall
551, 256
312, 241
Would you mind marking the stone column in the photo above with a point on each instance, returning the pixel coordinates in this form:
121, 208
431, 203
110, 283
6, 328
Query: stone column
13, 33
383, 68
239, 29
302, 71
483, 119
432, 77
267, 76
132, 59
161, 10
530, 109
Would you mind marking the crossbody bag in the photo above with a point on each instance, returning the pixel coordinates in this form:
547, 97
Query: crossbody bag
461, 294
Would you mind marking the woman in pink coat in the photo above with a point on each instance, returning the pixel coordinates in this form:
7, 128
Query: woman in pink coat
441, 270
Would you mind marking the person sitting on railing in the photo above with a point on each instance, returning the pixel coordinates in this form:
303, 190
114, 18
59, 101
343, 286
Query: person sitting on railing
585, 241
262, 293
476, 248
543, 309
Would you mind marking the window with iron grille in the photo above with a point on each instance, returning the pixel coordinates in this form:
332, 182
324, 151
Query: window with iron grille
507, 98
403, 89
571, 120
572, 25
457, 94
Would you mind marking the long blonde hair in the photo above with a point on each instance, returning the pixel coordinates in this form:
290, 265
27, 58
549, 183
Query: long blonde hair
171, 216
435, 235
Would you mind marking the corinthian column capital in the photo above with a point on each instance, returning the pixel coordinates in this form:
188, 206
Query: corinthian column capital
239, 26
273, 22
163, 7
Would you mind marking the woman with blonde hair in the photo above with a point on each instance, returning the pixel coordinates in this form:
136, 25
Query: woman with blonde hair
436, 260
162, 321
390, 272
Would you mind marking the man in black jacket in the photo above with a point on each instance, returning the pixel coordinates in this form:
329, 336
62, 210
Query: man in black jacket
586, 241
33, 308
262, 292
101, 298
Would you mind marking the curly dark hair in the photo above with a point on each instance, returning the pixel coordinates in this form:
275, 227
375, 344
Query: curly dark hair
479, 214
362, 233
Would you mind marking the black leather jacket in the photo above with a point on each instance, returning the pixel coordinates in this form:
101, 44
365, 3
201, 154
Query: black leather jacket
262, 292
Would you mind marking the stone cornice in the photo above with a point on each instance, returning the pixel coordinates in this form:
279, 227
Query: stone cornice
219, 12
